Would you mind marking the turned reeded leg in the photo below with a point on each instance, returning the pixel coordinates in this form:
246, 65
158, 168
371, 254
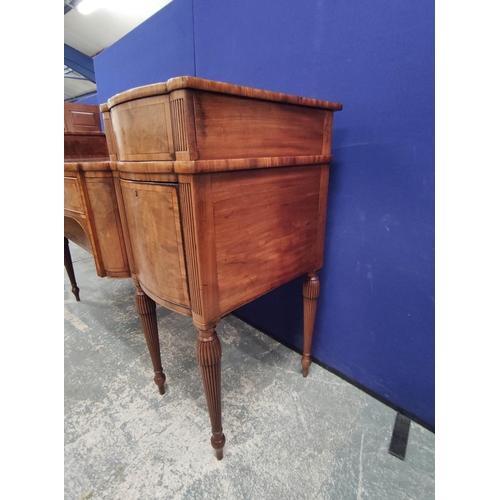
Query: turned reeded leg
310, 292
146, 307
68, 264
209, 353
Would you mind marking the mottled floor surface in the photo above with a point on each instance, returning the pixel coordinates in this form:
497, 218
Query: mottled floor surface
286, 437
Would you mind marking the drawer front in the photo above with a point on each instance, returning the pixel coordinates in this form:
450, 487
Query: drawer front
152, 212
143, 130
72, 197
85, 146
236, 127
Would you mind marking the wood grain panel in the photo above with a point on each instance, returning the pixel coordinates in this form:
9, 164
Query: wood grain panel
72, 197
85, 145
207, 166
108, 129
81, 117
152, 214
143, 130
267, 224
75, 232
237, 127
84, 119
192, 82
107, 224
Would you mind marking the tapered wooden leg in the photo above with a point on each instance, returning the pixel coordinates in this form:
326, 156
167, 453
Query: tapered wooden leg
68, 264
310, 292
209, 353
146, 307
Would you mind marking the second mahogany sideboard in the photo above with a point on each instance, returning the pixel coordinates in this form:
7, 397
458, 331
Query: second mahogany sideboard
222, 196
91, 217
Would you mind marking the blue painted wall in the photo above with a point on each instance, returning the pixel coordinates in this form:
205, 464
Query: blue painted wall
375, 320
159, 49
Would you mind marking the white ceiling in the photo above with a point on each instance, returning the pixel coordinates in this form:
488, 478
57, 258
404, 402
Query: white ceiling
94, 32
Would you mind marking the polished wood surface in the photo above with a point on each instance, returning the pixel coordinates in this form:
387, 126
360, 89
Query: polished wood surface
85, 146
194, 83
194, 125
90, 202
152, 212
228, 126
91, 216
279, 211
81, 118
146, 307
144, 132
222, 198
310, 292
209, 354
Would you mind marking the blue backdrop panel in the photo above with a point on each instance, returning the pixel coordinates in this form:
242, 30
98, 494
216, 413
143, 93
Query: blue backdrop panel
91, 99
158, 49
375, 320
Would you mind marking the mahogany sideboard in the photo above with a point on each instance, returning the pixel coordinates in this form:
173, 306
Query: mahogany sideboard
222, 196
91, 216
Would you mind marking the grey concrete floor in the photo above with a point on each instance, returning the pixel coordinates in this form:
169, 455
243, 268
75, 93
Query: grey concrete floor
286, 437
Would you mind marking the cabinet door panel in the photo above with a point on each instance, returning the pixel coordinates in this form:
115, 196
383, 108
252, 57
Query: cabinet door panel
152, 212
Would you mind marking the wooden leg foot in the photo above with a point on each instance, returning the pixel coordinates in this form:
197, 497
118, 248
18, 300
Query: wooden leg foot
160, 381
209, 354
306, 363
146, 307
68, 264
310, 292
218, 441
